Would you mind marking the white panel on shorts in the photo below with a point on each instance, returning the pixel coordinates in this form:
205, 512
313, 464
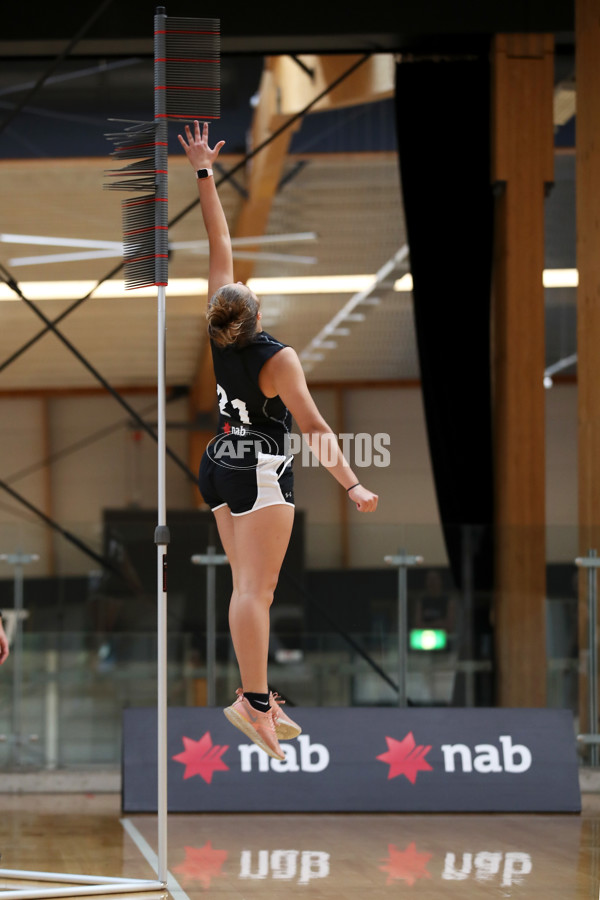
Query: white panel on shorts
269, 492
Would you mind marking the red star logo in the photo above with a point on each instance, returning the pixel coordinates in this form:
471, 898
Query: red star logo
226, 427
201, 864
405, 865
405, 758
202, 758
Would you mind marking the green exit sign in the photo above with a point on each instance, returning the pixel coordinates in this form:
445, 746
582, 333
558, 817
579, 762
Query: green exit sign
428, 639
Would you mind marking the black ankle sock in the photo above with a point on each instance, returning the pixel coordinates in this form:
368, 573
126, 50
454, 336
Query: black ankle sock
258, 701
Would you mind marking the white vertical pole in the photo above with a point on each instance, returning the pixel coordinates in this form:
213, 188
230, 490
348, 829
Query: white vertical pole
402, 561
593, 656
19, 560
211, 559
161, 539
592, 563
51, 729
402, 635
18, 669
161, 535
211, 631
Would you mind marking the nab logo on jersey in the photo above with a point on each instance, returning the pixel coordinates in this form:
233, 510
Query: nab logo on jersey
235, 429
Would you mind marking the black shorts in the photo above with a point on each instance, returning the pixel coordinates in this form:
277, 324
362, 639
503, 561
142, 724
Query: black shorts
244, 490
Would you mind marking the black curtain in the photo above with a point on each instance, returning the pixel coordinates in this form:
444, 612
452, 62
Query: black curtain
443, 130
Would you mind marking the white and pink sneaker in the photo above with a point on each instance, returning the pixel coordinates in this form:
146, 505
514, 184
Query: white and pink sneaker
258, 726
285, 728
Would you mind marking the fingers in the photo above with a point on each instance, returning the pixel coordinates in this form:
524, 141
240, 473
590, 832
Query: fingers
185, 144
200, 136
199, 139
367, 504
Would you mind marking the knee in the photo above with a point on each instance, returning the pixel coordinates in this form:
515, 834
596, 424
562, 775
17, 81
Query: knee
262, 594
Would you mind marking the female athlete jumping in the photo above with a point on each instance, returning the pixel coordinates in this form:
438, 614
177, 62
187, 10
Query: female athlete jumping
246, 472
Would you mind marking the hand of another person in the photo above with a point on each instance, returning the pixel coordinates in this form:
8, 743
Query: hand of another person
200, 155
366, 501
4, 651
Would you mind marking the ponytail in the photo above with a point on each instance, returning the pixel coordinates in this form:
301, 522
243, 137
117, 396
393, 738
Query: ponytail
231, 316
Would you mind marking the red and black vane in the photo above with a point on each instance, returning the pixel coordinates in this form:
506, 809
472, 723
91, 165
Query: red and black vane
145, 219
187, 64
145, 241
187, 56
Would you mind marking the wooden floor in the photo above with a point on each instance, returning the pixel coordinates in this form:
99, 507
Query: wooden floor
232, 857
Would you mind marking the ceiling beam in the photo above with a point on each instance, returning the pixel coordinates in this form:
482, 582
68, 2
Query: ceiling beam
265, 170
374, 80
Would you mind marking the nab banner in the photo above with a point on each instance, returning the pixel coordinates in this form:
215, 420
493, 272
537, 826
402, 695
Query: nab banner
359, 760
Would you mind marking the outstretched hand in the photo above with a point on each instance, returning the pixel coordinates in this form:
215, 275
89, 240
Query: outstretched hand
200, 155
366, 501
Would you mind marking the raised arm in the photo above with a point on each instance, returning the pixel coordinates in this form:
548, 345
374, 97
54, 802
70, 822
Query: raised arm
201, 156
283, 375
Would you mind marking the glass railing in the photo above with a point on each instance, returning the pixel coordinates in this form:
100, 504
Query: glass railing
73, 686
86, 646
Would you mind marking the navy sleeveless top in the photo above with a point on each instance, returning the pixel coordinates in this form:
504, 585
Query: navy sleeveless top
244, 411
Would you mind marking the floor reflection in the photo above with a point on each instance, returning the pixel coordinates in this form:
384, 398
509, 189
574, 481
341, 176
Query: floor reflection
383, 855
320, 856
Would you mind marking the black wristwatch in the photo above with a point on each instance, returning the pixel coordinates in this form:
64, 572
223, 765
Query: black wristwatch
204, 173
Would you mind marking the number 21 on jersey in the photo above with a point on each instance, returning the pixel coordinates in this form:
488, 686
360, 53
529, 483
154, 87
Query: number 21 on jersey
236, 404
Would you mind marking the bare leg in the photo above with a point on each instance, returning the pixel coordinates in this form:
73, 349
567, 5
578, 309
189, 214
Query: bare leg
225, 521
255, 545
